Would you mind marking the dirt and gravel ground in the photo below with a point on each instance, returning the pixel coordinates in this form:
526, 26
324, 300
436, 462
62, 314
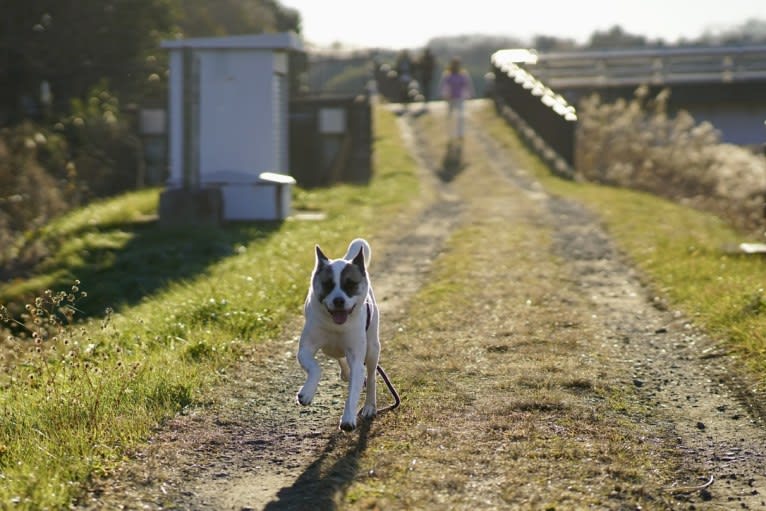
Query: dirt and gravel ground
252, 447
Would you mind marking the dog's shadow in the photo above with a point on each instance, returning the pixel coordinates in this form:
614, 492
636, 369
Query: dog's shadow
327, 477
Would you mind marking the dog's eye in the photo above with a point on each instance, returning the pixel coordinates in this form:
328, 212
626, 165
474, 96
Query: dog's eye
328, 285
350, 285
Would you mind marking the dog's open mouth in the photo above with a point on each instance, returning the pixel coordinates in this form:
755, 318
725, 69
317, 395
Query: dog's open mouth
339, 316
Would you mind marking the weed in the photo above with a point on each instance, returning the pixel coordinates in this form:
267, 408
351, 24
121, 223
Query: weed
638, 144
66, 383
755, 304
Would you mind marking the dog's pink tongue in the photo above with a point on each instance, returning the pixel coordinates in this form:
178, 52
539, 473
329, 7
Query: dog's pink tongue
339, 316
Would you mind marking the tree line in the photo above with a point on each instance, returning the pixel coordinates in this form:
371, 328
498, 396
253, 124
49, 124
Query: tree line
54, 50
72, 75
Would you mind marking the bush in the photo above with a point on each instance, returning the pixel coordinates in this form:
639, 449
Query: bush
637, 144
31, 195
106, 153
44, 172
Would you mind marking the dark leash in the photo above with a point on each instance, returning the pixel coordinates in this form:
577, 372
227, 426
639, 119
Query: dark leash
381, 372
391, 389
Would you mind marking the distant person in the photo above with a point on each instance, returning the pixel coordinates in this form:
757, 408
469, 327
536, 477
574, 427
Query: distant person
456, 86
426, 66
404, 74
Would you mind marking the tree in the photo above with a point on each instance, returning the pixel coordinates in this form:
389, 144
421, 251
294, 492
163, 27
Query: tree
545, 43
202, 18
73, 44
615, 38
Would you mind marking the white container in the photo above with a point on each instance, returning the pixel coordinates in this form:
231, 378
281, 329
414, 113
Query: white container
268, 197
228, 120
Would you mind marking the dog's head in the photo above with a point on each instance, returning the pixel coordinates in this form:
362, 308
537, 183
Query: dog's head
340, 285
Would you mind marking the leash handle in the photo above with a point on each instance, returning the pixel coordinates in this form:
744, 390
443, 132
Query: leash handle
391, 389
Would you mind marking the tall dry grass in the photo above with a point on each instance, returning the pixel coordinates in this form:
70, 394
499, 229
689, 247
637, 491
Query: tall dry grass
638, 144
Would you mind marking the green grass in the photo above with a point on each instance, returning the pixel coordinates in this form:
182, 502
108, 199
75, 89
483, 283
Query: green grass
683, 253
188, 302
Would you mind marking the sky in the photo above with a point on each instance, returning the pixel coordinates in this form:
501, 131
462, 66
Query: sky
411, 23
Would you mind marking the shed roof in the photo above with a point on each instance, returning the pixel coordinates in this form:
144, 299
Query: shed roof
276, 41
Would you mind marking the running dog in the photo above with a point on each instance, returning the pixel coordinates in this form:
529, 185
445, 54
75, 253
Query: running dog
342, 320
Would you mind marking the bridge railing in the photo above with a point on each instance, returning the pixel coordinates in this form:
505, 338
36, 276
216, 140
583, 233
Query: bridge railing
659, 66
544, 118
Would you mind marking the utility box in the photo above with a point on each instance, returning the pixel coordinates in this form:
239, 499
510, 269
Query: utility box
228, 121
267, 198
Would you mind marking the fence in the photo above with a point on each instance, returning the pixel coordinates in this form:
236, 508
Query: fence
655, 66
546, 121
330, 139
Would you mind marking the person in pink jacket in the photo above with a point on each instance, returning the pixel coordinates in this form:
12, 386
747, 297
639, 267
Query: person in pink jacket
456, 86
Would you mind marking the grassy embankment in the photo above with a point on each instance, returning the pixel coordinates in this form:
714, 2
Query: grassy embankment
188, 302
684, 252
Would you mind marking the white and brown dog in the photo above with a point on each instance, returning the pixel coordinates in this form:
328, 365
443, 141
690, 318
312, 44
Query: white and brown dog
342, 320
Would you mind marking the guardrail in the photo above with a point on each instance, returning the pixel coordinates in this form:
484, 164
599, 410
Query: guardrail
544, 118
654, 66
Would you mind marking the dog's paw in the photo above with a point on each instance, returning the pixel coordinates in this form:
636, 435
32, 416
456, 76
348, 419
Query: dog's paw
347, 426
302, 398
368, 411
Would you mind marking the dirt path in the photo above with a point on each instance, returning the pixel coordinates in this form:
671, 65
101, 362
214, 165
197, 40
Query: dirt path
253, 448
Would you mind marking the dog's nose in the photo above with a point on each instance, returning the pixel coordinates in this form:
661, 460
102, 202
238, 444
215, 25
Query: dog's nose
338, 302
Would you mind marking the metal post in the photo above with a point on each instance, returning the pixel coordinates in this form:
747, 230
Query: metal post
191, 91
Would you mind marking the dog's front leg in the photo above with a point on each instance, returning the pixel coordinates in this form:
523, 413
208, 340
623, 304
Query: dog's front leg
356, 380
306, 354
370, 408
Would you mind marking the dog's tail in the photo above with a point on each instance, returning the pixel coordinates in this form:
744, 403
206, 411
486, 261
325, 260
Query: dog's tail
355, 246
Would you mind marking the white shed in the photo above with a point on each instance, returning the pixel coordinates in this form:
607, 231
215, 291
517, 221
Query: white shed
228, 120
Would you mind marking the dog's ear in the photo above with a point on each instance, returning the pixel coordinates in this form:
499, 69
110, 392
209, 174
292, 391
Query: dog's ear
359, 260
321, 258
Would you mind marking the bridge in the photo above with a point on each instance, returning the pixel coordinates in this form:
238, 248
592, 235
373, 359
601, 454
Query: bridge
725, 86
